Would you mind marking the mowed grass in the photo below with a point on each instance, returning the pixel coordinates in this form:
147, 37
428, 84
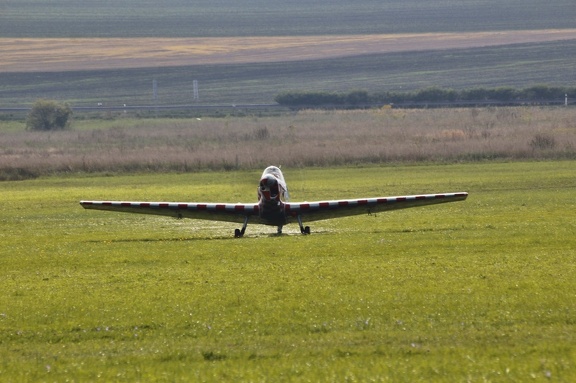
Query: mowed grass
481, 290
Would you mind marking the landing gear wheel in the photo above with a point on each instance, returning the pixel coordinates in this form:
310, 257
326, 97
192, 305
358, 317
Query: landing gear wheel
239, 233
303, 230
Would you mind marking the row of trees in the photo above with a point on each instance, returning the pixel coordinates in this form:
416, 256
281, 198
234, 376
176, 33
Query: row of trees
51, 115
539, 93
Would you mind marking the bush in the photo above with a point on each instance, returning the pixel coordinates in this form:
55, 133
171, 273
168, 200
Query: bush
543, 141
48, 115
435, 94
357, 97
543, 92
310, 98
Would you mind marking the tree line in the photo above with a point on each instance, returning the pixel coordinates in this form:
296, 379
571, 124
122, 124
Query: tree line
47, 115
535, 94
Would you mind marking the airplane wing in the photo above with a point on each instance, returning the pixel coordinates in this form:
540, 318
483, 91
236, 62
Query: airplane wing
208, 211
315, 211
308, 211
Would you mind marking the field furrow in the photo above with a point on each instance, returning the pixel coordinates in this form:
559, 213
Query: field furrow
68, 54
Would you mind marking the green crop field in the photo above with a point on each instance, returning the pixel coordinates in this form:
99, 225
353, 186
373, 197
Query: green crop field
481, 290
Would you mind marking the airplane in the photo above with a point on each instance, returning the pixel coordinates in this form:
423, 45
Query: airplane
273, 207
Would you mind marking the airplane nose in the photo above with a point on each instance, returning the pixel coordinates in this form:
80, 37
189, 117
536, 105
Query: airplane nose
269, 187
267, 182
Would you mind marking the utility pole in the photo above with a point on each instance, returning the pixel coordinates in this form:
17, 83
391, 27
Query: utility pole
155, 91
196, 96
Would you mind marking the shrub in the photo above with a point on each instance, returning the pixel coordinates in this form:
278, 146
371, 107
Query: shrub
542, 141
435, 94
543, 92
17, 174
48, 115
311, 98
357, 97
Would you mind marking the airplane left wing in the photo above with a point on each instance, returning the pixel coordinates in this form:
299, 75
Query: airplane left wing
209, 211
315, 211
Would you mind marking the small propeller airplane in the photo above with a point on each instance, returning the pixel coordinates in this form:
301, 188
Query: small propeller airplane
273, 207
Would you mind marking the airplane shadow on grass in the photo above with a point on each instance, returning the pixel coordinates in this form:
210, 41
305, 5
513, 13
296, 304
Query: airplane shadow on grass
202, 238
272, 235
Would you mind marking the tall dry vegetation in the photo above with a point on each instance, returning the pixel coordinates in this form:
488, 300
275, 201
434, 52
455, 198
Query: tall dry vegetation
306, 138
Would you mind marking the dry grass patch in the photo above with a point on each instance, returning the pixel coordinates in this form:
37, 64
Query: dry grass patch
307, 138
64, 54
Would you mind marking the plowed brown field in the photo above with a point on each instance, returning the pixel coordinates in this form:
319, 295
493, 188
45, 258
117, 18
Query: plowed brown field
44, 55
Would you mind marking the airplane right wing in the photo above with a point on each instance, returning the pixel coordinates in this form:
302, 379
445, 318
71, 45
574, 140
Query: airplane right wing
319, 210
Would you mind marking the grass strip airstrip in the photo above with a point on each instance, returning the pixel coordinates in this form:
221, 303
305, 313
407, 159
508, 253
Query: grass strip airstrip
481, 290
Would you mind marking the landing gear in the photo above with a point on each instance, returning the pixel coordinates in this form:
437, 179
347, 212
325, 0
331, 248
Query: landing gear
303, 230
239, 233
279, 230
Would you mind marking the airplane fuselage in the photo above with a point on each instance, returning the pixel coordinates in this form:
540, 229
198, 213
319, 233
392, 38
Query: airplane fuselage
272, 193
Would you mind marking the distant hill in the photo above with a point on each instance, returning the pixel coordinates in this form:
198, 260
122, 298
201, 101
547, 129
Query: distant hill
82, 79
520, 65
224, 18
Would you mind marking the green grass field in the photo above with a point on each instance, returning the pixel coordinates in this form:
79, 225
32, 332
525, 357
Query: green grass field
481, 290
